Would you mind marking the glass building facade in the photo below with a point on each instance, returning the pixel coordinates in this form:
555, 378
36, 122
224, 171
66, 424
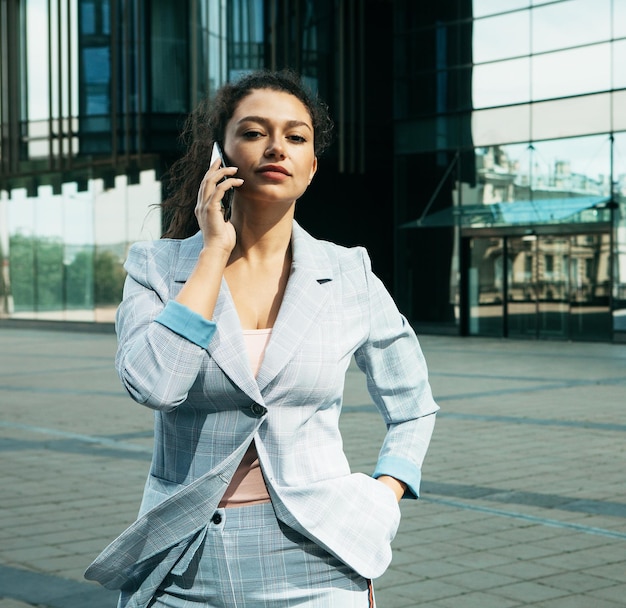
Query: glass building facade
510, 141
480, 150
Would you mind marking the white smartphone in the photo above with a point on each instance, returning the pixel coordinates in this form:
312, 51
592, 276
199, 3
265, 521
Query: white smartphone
227, 201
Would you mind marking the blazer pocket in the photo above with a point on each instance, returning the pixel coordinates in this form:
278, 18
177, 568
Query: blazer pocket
156, 491
382, 496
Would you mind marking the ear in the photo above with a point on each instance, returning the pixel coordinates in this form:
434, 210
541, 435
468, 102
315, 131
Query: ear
313, 169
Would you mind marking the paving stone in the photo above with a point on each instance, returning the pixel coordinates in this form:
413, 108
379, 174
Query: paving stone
517, 457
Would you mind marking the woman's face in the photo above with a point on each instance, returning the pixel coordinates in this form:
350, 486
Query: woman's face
270, 140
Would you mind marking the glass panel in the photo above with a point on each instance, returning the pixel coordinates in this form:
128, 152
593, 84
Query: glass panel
490, 7
572, 167
212, 64
552, 285
21, 212
245, 40
95, 103
78, 227
5, 304
66, 250
570, 117
619, 64
51, 71
619, 18
37, 44
619, 111
169, 57
485, 284
522, 296
121, 215
565, 24
502, 37
619, 291
501, 83
49, 251
589, 294
502, 174
501, 125
573, 72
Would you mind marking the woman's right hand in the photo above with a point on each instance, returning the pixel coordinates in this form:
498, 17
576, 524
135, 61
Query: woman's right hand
201, 290
217, 233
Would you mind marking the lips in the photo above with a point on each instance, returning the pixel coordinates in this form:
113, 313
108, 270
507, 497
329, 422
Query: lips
273, 169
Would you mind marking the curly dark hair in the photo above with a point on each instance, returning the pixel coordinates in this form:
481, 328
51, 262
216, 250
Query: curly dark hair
207, 124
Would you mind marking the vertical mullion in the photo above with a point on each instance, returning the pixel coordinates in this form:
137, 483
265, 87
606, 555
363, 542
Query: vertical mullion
112, 84
127, 63
69, 83
273, 40
50, 108
341, 90
361, 78
3, 87
193, 54
14, 98
139, 63
352, 85
59, 84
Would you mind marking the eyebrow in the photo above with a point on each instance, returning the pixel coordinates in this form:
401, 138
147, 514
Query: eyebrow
264, 121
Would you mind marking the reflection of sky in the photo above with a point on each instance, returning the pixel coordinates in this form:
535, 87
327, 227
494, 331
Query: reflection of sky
37, 57
96, 216
589, 156
509, 39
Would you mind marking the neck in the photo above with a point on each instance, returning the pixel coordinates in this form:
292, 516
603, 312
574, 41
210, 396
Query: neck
261, 238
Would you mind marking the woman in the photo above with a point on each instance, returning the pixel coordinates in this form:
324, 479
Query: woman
239, 333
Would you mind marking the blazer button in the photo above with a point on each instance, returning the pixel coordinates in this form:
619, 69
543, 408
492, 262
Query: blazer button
258, 410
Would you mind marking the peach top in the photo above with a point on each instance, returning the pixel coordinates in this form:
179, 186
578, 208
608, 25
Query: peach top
247, 486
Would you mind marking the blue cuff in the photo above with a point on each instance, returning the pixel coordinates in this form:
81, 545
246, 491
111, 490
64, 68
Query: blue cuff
187, 323
402, 470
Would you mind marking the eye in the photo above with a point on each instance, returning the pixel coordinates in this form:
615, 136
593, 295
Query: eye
299, 139
252, 134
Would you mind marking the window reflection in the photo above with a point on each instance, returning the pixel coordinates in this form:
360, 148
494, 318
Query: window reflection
571, 117
565, 24
491, 7
619, 64
618, 122
509, 124
563, 181
619, 19
580, 165
245, 36
502, 173
66, 249
619, 188
51, 93
501, 83
501, 37
572, 72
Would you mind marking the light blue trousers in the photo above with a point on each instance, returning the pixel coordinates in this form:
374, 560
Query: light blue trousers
251, 560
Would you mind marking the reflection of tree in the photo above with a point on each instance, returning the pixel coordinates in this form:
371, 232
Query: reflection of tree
22, 271
44, 276
109, 278
4, 291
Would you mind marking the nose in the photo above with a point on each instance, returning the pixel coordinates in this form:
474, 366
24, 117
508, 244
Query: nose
275, 148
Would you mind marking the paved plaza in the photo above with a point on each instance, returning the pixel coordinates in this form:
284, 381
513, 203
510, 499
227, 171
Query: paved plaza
524, 493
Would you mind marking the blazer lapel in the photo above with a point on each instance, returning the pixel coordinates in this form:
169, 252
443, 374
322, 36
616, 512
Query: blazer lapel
304, 300
227, 347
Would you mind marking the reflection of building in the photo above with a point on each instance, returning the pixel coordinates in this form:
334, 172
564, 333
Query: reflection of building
516, 133
486, 134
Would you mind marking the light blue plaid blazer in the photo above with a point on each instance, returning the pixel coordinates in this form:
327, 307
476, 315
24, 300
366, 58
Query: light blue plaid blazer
209, 407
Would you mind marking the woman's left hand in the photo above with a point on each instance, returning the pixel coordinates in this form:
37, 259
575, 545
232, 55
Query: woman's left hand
397, 486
